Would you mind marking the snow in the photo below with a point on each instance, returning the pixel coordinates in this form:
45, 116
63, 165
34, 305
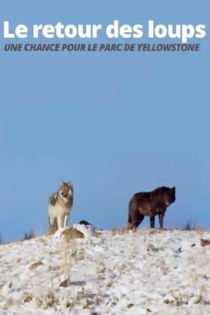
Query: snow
146, 272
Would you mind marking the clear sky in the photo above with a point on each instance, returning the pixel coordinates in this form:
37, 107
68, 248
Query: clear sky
113, 123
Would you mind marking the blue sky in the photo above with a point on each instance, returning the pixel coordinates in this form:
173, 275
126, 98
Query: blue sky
113, 123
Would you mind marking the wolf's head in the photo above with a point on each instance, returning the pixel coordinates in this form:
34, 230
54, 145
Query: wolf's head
66, 190
168, 195
164, 195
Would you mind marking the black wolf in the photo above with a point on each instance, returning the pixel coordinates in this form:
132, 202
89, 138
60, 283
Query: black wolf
150, 204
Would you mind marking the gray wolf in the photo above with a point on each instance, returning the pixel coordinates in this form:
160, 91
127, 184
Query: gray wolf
150, 204
60, 205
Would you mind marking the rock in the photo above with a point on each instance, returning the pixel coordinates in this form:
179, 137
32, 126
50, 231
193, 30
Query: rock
204, 242
36, 264
71, 233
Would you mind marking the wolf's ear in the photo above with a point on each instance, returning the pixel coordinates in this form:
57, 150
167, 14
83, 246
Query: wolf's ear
162, 190
61, 183
69, 183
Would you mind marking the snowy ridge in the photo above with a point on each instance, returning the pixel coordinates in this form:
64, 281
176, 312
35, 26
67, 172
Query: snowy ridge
159, 272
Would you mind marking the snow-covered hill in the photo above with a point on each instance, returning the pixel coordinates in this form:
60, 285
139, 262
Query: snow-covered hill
159, 272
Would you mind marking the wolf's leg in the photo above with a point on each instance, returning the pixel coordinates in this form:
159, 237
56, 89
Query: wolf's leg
152, 222
52, 221
161, 218
55, 225
52, 226
59, 221
66, 218
135, 221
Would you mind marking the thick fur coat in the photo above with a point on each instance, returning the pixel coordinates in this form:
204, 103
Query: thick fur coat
150, 204
60, 205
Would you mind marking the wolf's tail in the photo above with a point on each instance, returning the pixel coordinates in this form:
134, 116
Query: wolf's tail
130, 208
129, 219
133, 219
